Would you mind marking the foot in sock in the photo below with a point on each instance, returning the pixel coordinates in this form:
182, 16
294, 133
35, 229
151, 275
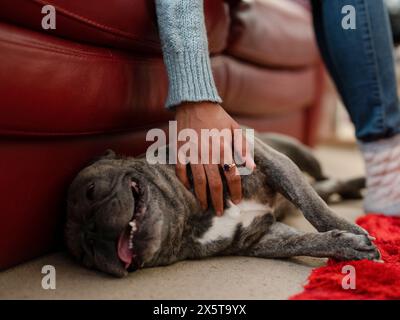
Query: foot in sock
382, 164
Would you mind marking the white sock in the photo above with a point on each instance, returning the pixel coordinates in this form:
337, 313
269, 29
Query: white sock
382, 164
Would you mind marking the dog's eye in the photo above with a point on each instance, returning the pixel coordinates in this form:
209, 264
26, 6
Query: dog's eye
90, 191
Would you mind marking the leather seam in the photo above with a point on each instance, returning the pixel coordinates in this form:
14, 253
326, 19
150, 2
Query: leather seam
70, 134
81, 55
92, 23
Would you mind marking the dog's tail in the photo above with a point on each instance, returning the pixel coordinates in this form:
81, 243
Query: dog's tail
346, 189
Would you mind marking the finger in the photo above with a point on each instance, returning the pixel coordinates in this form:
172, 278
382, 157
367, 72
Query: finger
232, 176
216, 190
181, 168
243, 149
181, 173
200, 184
234, 182
249, 160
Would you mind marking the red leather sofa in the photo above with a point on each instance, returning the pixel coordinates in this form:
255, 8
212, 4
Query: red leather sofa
98, 81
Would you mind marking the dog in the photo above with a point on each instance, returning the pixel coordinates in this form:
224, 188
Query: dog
124, 214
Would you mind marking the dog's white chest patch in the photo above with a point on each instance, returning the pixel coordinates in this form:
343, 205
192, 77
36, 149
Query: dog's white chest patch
243, 213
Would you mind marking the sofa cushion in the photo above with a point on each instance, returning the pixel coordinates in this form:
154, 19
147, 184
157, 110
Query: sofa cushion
122, 24
52, 87
253, 91
273, 33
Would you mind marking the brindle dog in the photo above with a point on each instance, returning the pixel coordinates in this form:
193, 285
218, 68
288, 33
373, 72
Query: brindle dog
125, 214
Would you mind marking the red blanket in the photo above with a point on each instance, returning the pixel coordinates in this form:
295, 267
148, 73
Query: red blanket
372, 280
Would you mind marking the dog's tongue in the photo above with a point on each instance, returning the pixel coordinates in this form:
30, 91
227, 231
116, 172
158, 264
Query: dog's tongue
124, 253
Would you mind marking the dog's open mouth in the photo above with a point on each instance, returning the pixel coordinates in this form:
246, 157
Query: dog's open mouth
126, 250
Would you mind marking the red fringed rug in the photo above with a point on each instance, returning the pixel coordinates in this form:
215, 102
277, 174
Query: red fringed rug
372, 280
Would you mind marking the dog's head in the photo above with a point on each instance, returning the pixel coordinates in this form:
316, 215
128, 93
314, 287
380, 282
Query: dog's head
111, 224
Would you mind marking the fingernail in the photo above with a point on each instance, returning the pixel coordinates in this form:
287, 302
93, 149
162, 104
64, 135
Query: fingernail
236, 201
219, 213
371, 238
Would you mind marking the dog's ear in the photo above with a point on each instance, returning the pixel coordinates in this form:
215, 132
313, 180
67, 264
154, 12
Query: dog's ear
108, 155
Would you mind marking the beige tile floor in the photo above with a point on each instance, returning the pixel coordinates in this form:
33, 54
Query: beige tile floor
217, 278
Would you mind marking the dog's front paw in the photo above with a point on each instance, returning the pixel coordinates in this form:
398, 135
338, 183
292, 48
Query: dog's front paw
345, 225
350, 246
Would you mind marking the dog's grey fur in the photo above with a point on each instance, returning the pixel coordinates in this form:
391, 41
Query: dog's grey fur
100, 205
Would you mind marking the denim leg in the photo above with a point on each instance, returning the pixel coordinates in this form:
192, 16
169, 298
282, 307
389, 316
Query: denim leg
361, 64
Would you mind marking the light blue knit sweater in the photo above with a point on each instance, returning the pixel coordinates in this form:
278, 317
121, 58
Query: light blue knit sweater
185, 49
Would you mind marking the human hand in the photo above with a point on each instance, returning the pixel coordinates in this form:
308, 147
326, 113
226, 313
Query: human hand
207, 115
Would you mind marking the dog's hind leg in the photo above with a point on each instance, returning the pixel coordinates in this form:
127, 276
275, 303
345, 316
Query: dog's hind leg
300, 154
286, 178
282, 241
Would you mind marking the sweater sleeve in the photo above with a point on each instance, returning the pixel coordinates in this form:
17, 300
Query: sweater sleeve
185, 49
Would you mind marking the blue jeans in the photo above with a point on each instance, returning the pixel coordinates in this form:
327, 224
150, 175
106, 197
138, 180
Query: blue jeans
361, 64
